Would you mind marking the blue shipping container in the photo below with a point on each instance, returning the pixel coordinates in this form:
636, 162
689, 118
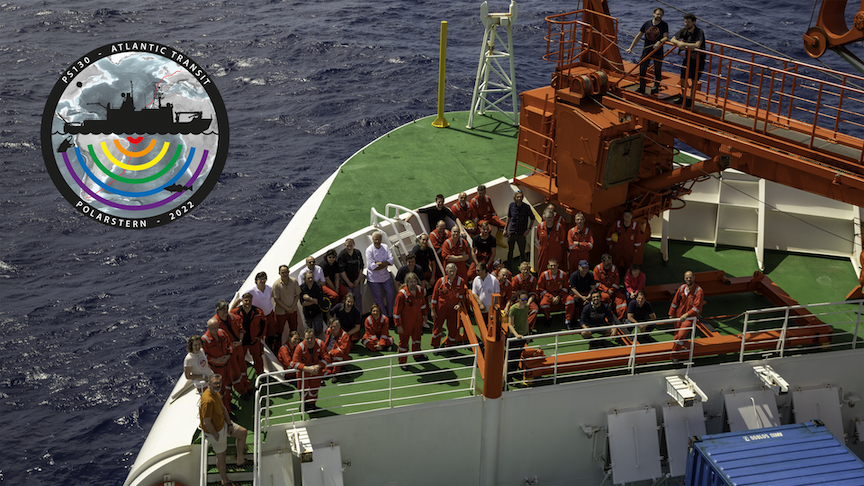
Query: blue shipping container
797, 454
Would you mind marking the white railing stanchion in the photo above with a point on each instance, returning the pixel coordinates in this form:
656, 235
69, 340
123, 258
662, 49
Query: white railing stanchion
632, 361
202, 481
857, 324
390, 384
744, 336
692, 338
781, 346
555, 367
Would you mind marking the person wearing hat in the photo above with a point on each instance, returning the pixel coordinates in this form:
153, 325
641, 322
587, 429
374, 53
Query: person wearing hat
582, 284
580, 242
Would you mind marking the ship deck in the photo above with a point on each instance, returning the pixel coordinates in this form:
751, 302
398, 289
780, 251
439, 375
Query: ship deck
485, 153
806, 278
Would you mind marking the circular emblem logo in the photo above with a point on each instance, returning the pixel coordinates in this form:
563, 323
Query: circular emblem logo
135, 134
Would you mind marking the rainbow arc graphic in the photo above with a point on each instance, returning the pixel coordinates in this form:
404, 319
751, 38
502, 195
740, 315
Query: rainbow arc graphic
105, 183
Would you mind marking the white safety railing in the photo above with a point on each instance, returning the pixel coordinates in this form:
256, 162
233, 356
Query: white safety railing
279, 395
203, 460
572, 342
780, 319
758, 328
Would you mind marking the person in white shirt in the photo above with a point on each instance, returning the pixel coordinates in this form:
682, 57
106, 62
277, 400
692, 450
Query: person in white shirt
483, 287
262, 298
378, 263
195, 366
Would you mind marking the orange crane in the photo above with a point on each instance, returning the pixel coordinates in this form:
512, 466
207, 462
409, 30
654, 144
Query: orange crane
592, 143
831, 32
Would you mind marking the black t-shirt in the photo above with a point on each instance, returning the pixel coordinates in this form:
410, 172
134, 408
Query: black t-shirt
424, 258
486, 246
434, 215
310, 311
690, 37
330, 270
348, 319
654, 33
352, 265
400, 275
640, 313
599, 317
580, 283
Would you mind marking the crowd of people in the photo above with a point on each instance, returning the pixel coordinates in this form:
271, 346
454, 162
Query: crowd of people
608, 296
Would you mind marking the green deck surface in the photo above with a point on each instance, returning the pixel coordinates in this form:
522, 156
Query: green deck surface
425, 160
432, 161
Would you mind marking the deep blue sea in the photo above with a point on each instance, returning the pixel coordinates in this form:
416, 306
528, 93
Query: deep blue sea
94, 319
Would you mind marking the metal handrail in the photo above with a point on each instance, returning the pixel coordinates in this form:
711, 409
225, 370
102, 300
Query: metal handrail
202, 481
263, 394
783, 341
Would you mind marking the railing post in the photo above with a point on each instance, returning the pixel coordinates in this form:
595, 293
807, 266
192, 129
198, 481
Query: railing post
507, 361
857, 324
302, 391
815, 117
256, 444
782, 343
726, 88
202, 480
744, 337
473, 383
390, 384
632, 361
692, 338
555, 363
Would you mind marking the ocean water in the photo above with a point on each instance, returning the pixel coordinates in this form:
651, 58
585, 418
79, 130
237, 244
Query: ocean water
94, 319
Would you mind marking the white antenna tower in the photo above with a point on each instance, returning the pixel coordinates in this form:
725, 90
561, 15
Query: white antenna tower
502, 85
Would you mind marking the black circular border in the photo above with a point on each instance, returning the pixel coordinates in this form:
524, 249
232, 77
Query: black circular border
71, 195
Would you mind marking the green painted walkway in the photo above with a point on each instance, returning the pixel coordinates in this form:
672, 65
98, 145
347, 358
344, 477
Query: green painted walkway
425, 160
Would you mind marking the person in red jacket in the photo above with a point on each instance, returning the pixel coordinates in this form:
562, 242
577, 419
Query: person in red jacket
254, 324
483, 208
217, 346
463, 210
552, 236
624, 238
686, 305
409, 314
310, 365
606, 278
505, 285
438, 236
377, 336
634, 281
286, 354
234, 328
447, 298
554, 289
580, 242
456, 250
337, 345
527, 282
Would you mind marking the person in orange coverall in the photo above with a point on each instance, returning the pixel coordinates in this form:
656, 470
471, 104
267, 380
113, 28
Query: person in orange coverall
409, 314
310, 365
447, 298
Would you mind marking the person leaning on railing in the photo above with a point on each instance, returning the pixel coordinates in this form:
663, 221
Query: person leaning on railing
656, 33
517, 312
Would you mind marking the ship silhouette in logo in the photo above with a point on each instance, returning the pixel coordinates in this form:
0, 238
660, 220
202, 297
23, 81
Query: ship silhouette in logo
126, 119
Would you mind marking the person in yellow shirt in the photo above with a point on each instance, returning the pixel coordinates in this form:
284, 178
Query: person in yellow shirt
216, 425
